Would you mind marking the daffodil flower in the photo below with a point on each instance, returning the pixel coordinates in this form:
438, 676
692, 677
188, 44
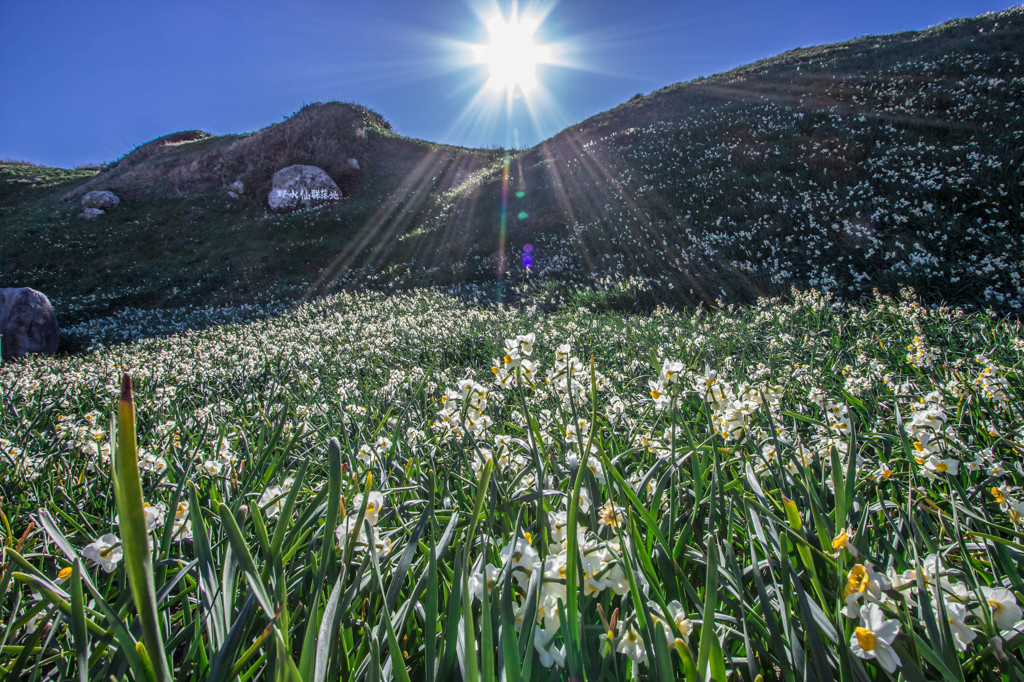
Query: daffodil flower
105, 551
873, 638
863, 580
1003, 606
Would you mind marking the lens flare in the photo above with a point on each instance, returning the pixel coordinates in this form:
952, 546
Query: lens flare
527, 255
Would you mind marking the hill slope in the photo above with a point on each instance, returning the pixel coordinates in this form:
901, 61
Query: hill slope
880, 162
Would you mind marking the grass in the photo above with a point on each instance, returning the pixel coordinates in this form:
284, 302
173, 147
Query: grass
798, 488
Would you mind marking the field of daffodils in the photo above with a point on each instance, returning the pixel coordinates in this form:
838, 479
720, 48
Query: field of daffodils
413, 487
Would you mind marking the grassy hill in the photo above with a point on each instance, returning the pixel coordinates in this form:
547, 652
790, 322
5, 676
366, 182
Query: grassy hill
880, 162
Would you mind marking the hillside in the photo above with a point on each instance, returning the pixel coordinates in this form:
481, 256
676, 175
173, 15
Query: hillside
880, 162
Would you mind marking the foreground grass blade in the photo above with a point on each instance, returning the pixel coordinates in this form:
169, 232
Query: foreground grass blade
138, 557
79, 632
394, 650
326, 548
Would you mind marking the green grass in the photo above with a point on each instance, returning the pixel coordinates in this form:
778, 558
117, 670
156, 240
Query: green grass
349, 491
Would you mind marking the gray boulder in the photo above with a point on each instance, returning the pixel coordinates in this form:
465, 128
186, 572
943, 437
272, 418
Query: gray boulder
90, 213
301, 186
27, 323
236, 189
103, 199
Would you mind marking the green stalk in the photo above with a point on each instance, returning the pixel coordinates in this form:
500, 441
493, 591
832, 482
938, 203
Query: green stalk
134, 536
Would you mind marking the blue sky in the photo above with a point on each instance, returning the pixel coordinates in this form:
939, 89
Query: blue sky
84, 82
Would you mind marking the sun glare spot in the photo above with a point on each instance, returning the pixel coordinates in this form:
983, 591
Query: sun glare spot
511, 56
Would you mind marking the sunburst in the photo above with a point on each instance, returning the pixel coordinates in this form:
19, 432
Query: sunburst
512, 56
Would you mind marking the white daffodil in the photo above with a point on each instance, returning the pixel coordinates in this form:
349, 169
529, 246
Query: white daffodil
213, 467
488, 577
105, 551
558, 522
525, 342
182, 528
676, 614
1003, 605
523, 556
940, 465
154, 515
671, 371
584, 500
628, 642
553, 584
956, 614
611, 515
273, 497
549, 654
873, 638
596, 468
374, 503
659, 394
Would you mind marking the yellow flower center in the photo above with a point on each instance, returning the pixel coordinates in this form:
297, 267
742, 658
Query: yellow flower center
857, 580
65, 573
998, 494
996, 606
508, 359
941, 467
866, 639
840, 540
655, 394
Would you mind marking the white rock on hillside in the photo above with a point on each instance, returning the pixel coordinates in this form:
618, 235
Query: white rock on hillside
236, 189
27, 323
103, 199
301, 186
90, 213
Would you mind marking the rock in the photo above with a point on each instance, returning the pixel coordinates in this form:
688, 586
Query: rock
353, 164
104, 200
90, 213
236, 189
301, 186
27, 323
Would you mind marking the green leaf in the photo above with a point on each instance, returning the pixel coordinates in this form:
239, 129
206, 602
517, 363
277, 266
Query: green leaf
138, 558
245, 559
394, 650
79, 632
326, 549
707, 628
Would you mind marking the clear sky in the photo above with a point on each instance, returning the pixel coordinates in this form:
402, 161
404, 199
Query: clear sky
84, 82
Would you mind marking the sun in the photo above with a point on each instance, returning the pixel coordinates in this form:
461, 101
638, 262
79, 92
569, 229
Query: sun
511, 56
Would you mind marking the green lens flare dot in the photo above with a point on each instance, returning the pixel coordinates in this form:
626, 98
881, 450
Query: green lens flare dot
520, 195
523, 215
